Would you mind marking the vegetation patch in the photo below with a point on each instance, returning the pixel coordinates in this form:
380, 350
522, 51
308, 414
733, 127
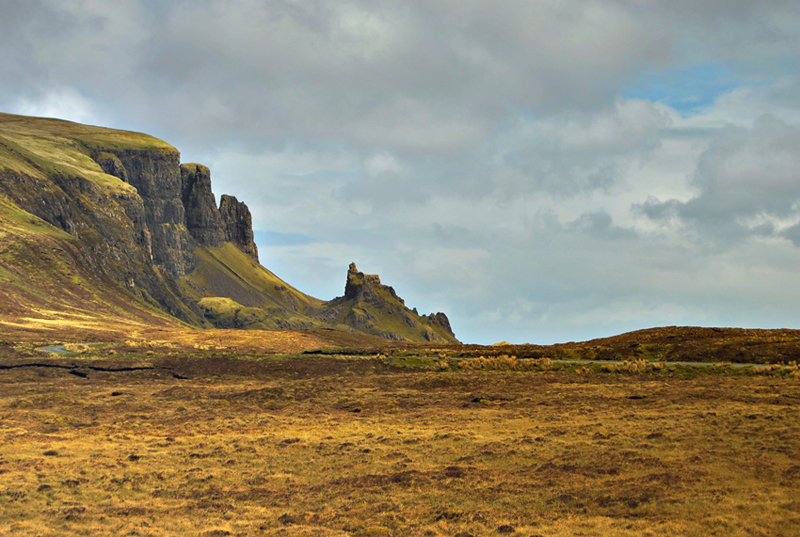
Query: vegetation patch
214, 442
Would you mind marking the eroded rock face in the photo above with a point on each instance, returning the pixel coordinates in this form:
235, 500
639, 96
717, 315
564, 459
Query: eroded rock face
238, 224
203, 219
180, 210
112, 165
111, 227
173, 212
362, 287
156, 175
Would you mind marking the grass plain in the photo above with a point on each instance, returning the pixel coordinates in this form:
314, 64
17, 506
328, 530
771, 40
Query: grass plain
201, 436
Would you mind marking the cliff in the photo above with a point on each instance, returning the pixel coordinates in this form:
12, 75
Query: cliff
238, 225
136, 225
203, 220
209, 225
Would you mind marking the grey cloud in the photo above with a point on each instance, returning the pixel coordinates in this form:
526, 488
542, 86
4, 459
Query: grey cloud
22, 70
793, 234
580, 152
758, 38
383, 192
744, 177
421, 76
600, 225
662, 212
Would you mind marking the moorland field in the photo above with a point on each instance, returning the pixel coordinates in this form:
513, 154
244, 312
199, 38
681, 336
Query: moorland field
219, 432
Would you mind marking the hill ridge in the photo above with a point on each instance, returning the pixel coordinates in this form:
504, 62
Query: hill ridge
149, 230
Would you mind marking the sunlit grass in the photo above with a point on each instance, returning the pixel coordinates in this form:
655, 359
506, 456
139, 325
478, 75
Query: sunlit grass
352, 446
40, 146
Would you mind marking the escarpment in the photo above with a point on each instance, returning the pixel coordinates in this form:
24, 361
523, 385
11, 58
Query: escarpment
179, 207
156, 175
128, 230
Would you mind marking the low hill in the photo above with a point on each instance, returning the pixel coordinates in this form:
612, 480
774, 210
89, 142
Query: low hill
104, 227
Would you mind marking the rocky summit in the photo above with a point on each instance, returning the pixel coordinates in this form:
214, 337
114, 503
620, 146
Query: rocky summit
371, 307
99, 223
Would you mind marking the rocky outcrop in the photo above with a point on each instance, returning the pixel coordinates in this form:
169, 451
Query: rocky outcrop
372, 307
364, 287
238, 225
180, 210
203, 220
112, 165
176, 211
441, 320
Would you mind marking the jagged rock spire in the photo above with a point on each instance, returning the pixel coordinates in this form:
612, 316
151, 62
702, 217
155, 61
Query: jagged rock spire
238, 224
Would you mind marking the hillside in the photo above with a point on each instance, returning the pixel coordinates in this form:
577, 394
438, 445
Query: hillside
102, 228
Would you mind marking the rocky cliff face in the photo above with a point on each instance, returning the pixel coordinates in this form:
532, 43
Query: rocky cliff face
112, 228
364, 287
180, 210
143, 237
238, 225
156, 176
202, 216
440, 320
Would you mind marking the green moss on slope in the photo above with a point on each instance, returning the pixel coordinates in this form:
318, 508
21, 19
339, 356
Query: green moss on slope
227, 271
41, 147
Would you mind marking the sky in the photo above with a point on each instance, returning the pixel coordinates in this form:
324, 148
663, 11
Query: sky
542, 172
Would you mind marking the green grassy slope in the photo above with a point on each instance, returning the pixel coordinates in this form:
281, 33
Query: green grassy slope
47, 275
237, 292
39, 147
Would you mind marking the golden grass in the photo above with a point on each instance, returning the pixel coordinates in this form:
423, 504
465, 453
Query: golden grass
36, 146
353, 446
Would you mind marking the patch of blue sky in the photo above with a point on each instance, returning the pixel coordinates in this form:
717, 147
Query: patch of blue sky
688, 90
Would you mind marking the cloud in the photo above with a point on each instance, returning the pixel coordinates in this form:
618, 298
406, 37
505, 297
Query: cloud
431, 76
600, 225
567, 155
748, 181
64, 103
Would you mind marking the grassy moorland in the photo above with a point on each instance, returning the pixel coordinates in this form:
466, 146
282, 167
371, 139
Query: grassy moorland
205, 433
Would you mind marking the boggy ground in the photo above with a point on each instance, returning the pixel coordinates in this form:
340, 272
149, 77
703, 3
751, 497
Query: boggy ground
319, 445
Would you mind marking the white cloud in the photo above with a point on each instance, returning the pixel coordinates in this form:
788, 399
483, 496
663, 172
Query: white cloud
63, 103
748, 181
380, 164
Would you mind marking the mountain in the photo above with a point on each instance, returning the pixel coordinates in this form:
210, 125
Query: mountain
102, 226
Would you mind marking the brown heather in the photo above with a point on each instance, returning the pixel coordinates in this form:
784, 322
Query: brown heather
213, 443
